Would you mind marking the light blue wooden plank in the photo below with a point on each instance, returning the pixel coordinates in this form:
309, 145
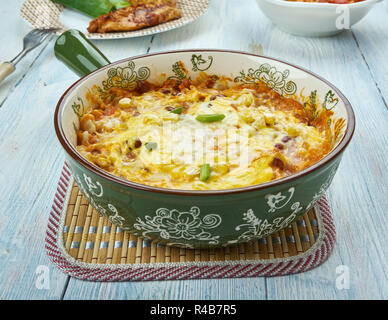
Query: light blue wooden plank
371, 35
12, 43
30, 164
222, 26
31, 161
232, 289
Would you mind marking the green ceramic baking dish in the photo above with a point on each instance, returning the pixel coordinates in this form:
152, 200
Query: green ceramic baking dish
195, 219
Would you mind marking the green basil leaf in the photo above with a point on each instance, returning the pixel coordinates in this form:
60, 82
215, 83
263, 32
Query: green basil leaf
118, 4
93, 8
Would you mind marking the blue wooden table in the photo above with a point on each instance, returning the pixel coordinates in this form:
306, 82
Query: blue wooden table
31, 158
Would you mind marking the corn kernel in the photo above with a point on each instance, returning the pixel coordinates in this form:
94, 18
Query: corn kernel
124, 103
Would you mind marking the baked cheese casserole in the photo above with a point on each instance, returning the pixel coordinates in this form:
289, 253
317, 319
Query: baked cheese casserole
203, 134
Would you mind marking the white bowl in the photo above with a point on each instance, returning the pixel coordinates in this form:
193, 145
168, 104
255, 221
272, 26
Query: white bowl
314, 19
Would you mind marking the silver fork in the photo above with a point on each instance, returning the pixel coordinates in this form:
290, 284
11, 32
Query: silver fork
30, 41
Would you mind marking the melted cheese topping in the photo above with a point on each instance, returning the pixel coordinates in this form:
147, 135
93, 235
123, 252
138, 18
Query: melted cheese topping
155, 138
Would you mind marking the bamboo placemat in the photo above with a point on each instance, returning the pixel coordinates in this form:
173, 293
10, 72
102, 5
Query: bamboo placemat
86, 245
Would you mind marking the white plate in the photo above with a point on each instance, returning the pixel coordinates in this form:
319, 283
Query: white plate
47, 14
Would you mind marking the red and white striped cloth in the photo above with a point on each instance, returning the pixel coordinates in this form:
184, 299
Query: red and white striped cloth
182, 270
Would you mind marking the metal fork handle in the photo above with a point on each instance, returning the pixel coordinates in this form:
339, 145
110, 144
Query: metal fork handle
6, 68
19, 57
